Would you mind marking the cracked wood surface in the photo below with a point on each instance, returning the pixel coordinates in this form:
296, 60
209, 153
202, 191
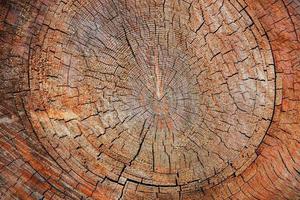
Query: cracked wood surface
171, 99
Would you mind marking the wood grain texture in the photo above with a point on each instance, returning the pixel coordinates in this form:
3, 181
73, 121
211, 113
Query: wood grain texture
148, 99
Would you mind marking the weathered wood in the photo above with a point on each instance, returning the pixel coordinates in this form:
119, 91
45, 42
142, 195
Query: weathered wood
167, 99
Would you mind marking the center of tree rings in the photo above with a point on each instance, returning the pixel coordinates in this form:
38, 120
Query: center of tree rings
162, 97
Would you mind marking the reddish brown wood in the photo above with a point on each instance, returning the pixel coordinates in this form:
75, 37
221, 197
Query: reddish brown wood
150, 99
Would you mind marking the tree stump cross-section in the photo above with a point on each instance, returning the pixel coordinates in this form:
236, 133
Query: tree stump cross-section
149, 99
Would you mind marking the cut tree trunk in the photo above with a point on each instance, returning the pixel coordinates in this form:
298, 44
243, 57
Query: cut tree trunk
150, 99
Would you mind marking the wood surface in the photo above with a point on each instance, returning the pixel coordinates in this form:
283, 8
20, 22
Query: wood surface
150, 99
